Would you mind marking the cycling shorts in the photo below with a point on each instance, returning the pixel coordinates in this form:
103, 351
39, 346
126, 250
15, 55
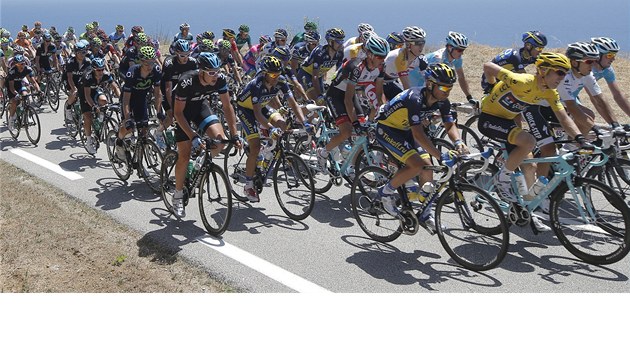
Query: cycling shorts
202, 118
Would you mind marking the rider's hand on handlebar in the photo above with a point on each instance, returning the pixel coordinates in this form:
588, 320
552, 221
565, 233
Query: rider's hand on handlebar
584, 145
197, 143
358, 128
462, 149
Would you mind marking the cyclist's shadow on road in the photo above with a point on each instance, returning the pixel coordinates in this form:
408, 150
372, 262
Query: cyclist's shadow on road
384, 261
112, 192
255, 220
336, 213
63, 141
81, 161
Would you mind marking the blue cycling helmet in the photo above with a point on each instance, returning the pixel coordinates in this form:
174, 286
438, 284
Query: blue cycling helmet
457, 40
282, 52
182, 45
208, 60
80, 47
535, 38
311, 36
605, 45
377, 45
98, 63
47, 37
395, 39
19, 59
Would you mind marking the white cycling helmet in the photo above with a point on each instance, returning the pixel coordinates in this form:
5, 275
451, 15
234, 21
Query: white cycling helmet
582, 51
364, 27
457, 40
366, 35
605, 44
413, 33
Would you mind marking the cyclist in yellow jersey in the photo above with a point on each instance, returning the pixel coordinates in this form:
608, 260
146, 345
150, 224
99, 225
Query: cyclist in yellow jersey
511, 96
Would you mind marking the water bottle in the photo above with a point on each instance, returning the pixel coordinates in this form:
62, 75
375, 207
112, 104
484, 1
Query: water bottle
413, 190
427, 188
521, 184
345, 151
199, 161
336, 154
538, 186
170, 136
190, 168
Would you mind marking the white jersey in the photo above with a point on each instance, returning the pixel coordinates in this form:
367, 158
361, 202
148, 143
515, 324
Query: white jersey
354, 51
350, 41
571, 86
396, 65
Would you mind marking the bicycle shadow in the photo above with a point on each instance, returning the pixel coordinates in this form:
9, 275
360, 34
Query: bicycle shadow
81, 162
8, 143
112, 192
246, 217
336, 213
385, 261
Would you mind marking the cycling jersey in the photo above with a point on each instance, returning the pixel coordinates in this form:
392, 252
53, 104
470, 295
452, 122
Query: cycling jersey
188, 37
570, 88
240, 41
227, 60
410, 108
511, 59
321, 59
115, 37
16, 76
78, 70
416, 76
397, 64
136, 84
514, 93
173, 69
300, 52
96, 86
257, 92
354, 51
45, 52
355, 72
298, 38
129, 58
607, 74
249, 59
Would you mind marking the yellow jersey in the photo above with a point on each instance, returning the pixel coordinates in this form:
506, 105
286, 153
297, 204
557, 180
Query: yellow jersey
514, 93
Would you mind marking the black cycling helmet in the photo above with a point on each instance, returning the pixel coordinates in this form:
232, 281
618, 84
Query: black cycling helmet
441, 74
535, 38
271, 64
182, 45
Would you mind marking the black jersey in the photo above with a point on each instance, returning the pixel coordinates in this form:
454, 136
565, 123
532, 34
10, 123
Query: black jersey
15, 75
129, 59
94, 84
138, 85
190, 89
45, 52
173, 69
77, 69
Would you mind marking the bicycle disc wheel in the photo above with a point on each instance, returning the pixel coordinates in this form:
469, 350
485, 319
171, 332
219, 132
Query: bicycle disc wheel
368, 210
602, 234
471, 227
215, 200
150, 163
296, 198
122, 168
234, 167
167, 178
308, 152
32, 126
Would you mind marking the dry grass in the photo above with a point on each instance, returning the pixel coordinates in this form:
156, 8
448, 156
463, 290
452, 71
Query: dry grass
50, 242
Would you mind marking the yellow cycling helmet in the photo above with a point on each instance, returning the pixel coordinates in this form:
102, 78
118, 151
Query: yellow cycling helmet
554, 60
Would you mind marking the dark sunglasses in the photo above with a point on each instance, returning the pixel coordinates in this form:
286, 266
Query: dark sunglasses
379, 57
560, 73
461, 50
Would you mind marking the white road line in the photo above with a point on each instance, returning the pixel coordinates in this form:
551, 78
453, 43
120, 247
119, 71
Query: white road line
274, 272
46, 164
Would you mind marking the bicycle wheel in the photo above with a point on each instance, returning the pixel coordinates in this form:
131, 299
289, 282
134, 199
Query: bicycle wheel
122, 168
32, 125
471, 227
591, 221
3, 101
71, 122
15, 132
150, 164
472, 123
167, 178
295, 197
368, 210
215, 200
377, 156
468, 136
52, 92
482, 179
308, 152
234, 167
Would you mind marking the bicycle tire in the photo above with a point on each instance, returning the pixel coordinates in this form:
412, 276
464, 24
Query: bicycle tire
71, 123
585, 246
378, 155
167, 178
367, 210
32, 125
291, 171
322, 181
15, 132
468, 136
52, 90
122, 168
474, 246
214, 194
614, 174
150, 164
234, 167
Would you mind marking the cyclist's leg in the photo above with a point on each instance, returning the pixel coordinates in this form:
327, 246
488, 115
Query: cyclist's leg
252, 135
210, 124
537, 118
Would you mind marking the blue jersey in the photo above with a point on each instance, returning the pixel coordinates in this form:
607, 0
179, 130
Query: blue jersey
416, 75
607, 74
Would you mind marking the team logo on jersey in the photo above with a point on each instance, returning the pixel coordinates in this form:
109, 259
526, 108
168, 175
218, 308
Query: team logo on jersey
415, 118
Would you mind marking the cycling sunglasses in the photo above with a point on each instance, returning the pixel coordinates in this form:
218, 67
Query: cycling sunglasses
273, 75
560, 72
419, 43
211, 72
381, 57
610, 55
587, 61
461, 50
445, 89
339, 41
183, 55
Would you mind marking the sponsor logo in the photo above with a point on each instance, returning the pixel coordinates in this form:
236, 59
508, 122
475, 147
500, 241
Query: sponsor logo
495, 127
403, 148
512, 104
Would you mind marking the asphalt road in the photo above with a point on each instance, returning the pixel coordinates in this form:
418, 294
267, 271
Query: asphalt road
265, 251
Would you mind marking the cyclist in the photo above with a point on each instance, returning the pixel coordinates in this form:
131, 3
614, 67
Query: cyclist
323, 58
395, 40
361, 28
243, 37
138, 81
302, 50
69, 38
583, 55
227, 61
134, 32
250, 58
516, 60
357, 50
191, 105
26, 44
252, 110
130, 57
283, 53
230, 36
280, 38
13, 83
451, 54
511, 96
118, 35
206, 46
341, 96
76, 67
44, 54
94, 83
298, 38
400, 61
26, 31
400, 129
89, 33
37, 26
602, 68
174, 67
